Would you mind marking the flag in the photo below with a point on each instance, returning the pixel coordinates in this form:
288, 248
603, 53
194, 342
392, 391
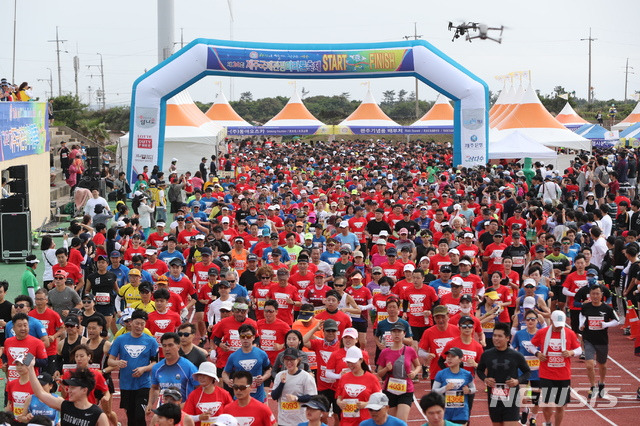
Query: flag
564, 96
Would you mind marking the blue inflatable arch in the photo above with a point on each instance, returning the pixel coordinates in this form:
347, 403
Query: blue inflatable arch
203, 57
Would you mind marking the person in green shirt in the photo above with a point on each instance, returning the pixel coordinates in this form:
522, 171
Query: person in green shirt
29, 278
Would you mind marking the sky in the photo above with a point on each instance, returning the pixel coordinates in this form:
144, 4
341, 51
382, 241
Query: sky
542, 37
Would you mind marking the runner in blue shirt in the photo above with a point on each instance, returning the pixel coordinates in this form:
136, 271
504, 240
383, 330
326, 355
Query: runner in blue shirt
521, 342
121, 271
173, 371
137, 353
456, 384
251, 359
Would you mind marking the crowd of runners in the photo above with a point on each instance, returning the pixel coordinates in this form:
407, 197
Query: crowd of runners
331, 278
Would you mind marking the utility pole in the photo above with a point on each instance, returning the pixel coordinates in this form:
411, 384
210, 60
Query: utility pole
181, 38
590, 39
58, 41
76, 68
101, 96
626, 78
13, 68
415, 36
50, 81
89, 90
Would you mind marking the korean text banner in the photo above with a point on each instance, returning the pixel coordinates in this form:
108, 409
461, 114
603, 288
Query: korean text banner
24, 129
310, 62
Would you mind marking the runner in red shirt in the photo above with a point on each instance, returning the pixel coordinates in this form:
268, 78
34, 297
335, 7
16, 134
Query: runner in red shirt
261, 288
493, 254
331, 300
180, 284
18, 391
355, 388
441, 257
471, 349
201, 269
21, 344
162, 320
73, 272
435, 339
133, 249
51, 321
393, 267
302, 278
471, 283
175, 302
225, 333
207, 398
357, 225
286, 295
418, 302
315, 294
323, 349
156, 239
245, 409
272, 331
574, 282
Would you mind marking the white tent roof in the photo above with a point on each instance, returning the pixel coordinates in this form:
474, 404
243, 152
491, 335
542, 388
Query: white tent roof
294, 114
511, 102
368, 114
632, 118
518, 145
440, 114
569, 117
189, 135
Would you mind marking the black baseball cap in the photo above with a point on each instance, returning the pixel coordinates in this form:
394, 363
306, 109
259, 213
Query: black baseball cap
455, 351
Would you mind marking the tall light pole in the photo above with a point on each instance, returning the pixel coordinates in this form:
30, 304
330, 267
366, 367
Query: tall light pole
102, 95
415, 36
231, 21
589, 97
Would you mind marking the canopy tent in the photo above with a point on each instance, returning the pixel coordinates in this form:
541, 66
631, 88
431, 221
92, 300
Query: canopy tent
368, 118
570, 118
188, 134
518, 145
502, 101
631, 132
632, 118
511, 103
223, 114
598, 135
532, 119
439, 119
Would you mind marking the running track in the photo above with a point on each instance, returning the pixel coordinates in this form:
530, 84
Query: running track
623, 379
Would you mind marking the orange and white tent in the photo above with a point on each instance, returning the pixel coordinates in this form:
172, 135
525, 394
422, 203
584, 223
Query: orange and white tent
532, 119
368, 114
189, 134
440, 114
501, 102
223, 114
514, 96
294, 114
570, 118
632, 118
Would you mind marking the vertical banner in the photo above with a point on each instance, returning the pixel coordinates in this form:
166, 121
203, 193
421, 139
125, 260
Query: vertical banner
473, 139
24, 129
144, 140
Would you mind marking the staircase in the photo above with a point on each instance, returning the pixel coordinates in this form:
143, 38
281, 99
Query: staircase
60, 193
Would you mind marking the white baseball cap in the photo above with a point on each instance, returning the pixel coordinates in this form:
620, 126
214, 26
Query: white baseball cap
529, 302
558, 318
354, 354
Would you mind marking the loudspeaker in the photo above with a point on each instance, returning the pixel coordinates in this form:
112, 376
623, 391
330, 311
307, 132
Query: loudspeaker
18, 186
18, 172
93, 152
13, 204
15, 235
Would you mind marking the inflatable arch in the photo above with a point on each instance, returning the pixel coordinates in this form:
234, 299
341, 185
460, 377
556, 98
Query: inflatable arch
203, 57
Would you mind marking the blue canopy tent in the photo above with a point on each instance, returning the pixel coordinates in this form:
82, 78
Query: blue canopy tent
631, 131
596, 134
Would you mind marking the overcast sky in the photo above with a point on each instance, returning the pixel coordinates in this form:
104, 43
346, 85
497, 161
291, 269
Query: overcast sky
542, 36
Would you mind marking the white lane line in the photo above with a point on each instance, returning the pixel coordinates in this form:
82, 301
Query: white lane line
584, 402
415, 401
622, 367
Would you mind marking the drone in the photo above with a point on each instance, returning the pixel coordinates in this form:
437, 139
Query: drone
482, 30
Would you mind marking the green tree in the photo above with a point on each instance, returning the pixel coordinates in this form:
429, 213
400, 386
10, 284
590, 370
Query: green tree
246, 97
388, 96
68, 110
401, 94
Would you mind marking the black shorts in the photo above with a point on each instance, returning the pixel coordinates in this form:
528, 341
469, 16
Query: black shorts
361, 325
106, 310
395, 400
597, 352
134, 403
333, 402
535, 391
504, 413
418, 332
200, 307
556, 392
557, 293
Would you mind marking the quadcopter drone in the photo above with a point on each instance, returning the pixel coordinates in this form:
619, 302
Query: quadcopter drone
482, 30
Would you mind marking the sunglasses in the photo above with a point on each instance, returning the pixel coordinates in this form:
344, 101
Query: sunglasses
338, 285
240, 387
182, 334
87, 301
466, 326
70, 326
21, 305
531, 319
265, 278
246, 336
270, 311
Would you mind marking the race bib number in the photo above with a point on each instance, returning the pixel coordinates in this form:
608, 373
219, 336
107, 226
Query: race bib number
103, 298
533, 362
12, 373
351, 408
397, 386
382, 316
261, 304
282, 298
416, 309
489, 326
518, 261
497, 260
319, 309
595, 323
555, 359
454, 399
388, 340
234, 340
500, 392
313, 362
289, 405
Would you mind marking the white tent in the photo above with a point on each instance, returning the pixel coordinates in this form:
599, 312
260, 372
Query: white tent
189, 135
518, 145
631, 119
224, 115
570, 118
368, 114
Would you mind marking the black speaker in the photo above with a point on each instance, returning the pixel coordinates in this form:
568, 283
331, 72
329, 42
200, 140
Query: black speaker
18, 186
93, 152
13, 204
15, 235
18, 172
